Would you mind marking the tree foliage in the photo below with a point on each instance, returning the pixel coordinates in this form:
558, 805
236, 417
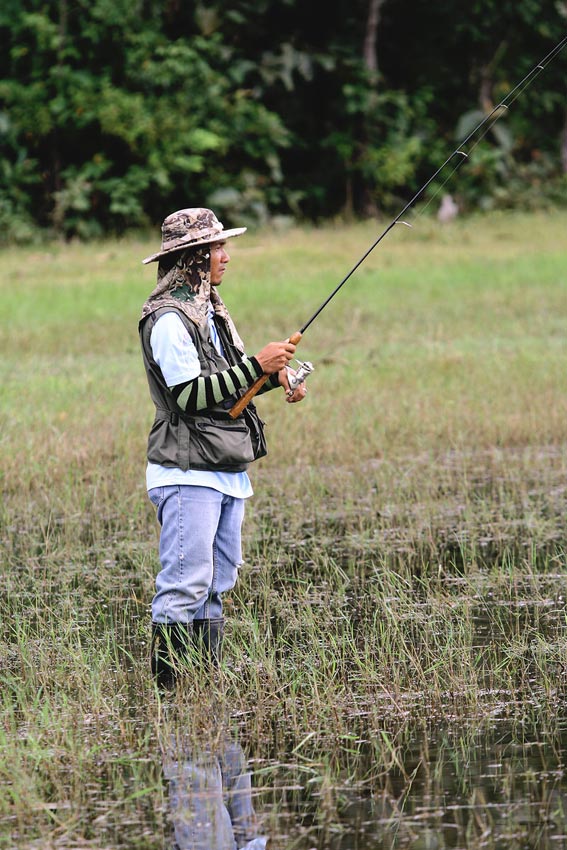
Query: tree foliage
114, 112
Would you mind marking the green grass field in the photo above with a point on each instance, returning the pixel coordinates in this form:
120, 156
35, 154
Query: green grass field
405, 547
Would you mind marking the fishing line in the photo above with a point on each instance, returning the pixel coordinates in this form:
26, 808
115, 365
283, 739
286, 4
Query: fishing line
486, 124
496, 113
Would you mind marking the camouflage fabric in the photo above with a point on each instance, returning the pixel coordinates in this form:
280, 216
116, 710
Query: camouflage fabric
191, 227
184, 271
186, 285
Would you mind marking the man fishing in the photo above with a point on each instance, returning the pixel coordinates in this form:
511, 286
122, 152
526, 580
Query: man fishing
198, 453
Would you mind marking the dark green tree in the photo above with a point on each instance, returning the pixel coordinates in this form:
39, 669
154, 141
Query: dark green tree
113, 112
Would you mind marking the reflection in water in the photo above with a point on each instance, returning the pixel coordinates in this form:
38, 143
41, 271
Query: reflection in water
500, 785
496, 779
496, 787
210, 790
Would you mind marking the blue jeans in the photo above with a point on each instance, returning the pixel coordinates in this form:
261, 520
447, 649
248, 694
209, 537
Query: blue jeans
210, 797
200, 551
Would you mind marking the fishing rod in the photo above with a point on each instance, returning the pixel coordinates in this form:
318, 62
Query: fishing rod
487, 122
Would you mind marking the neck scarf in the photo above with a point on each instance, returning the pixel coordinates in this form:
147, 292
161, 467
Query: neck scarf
186, 285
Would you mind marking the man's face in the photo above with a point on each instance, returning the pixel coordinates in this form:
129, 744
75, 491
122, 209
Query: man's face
219, 260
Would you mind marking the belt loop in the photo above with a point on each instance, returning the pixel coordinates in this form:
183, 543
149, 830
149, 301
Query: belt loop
174, 418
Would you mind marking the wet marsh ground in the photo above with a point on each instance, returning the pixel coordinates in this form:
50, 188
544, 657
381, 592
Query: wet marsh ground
396, 645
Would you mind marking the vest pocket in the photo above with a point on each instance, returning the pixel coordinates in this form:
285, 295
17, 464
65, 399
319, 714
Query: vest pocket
220, 444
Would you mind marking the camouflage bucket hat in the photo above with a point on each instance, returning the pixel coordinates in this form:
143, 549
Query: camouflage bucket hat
189, 228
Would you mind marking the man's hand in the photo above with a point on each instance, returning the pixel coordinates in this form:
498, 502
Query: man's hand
275, 356
299, 392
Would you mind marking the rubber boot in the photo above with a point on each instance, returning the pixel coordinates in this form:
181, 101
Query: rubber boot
170, 652
207, 636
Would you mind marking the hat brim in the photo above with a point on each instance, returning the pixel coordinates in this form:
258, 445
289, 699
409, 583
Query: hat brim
220, 237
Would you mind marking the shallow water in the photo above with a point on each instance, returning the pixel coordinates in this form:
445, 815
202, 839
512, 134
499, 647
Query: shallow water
496, 781
496, 785
499, 783
487, 771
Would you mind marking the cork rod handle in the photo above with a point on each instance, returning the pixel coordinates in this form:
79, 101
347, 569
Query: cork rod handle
237, 409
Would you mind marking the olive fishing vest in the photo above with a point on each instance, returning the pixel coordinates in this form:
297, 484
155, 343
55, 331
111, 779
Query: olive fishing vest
211, 440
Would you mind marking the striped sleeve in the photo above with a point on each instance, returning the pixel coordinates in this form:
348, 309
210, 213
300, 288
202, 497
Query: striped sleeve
271, 384
203, 393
